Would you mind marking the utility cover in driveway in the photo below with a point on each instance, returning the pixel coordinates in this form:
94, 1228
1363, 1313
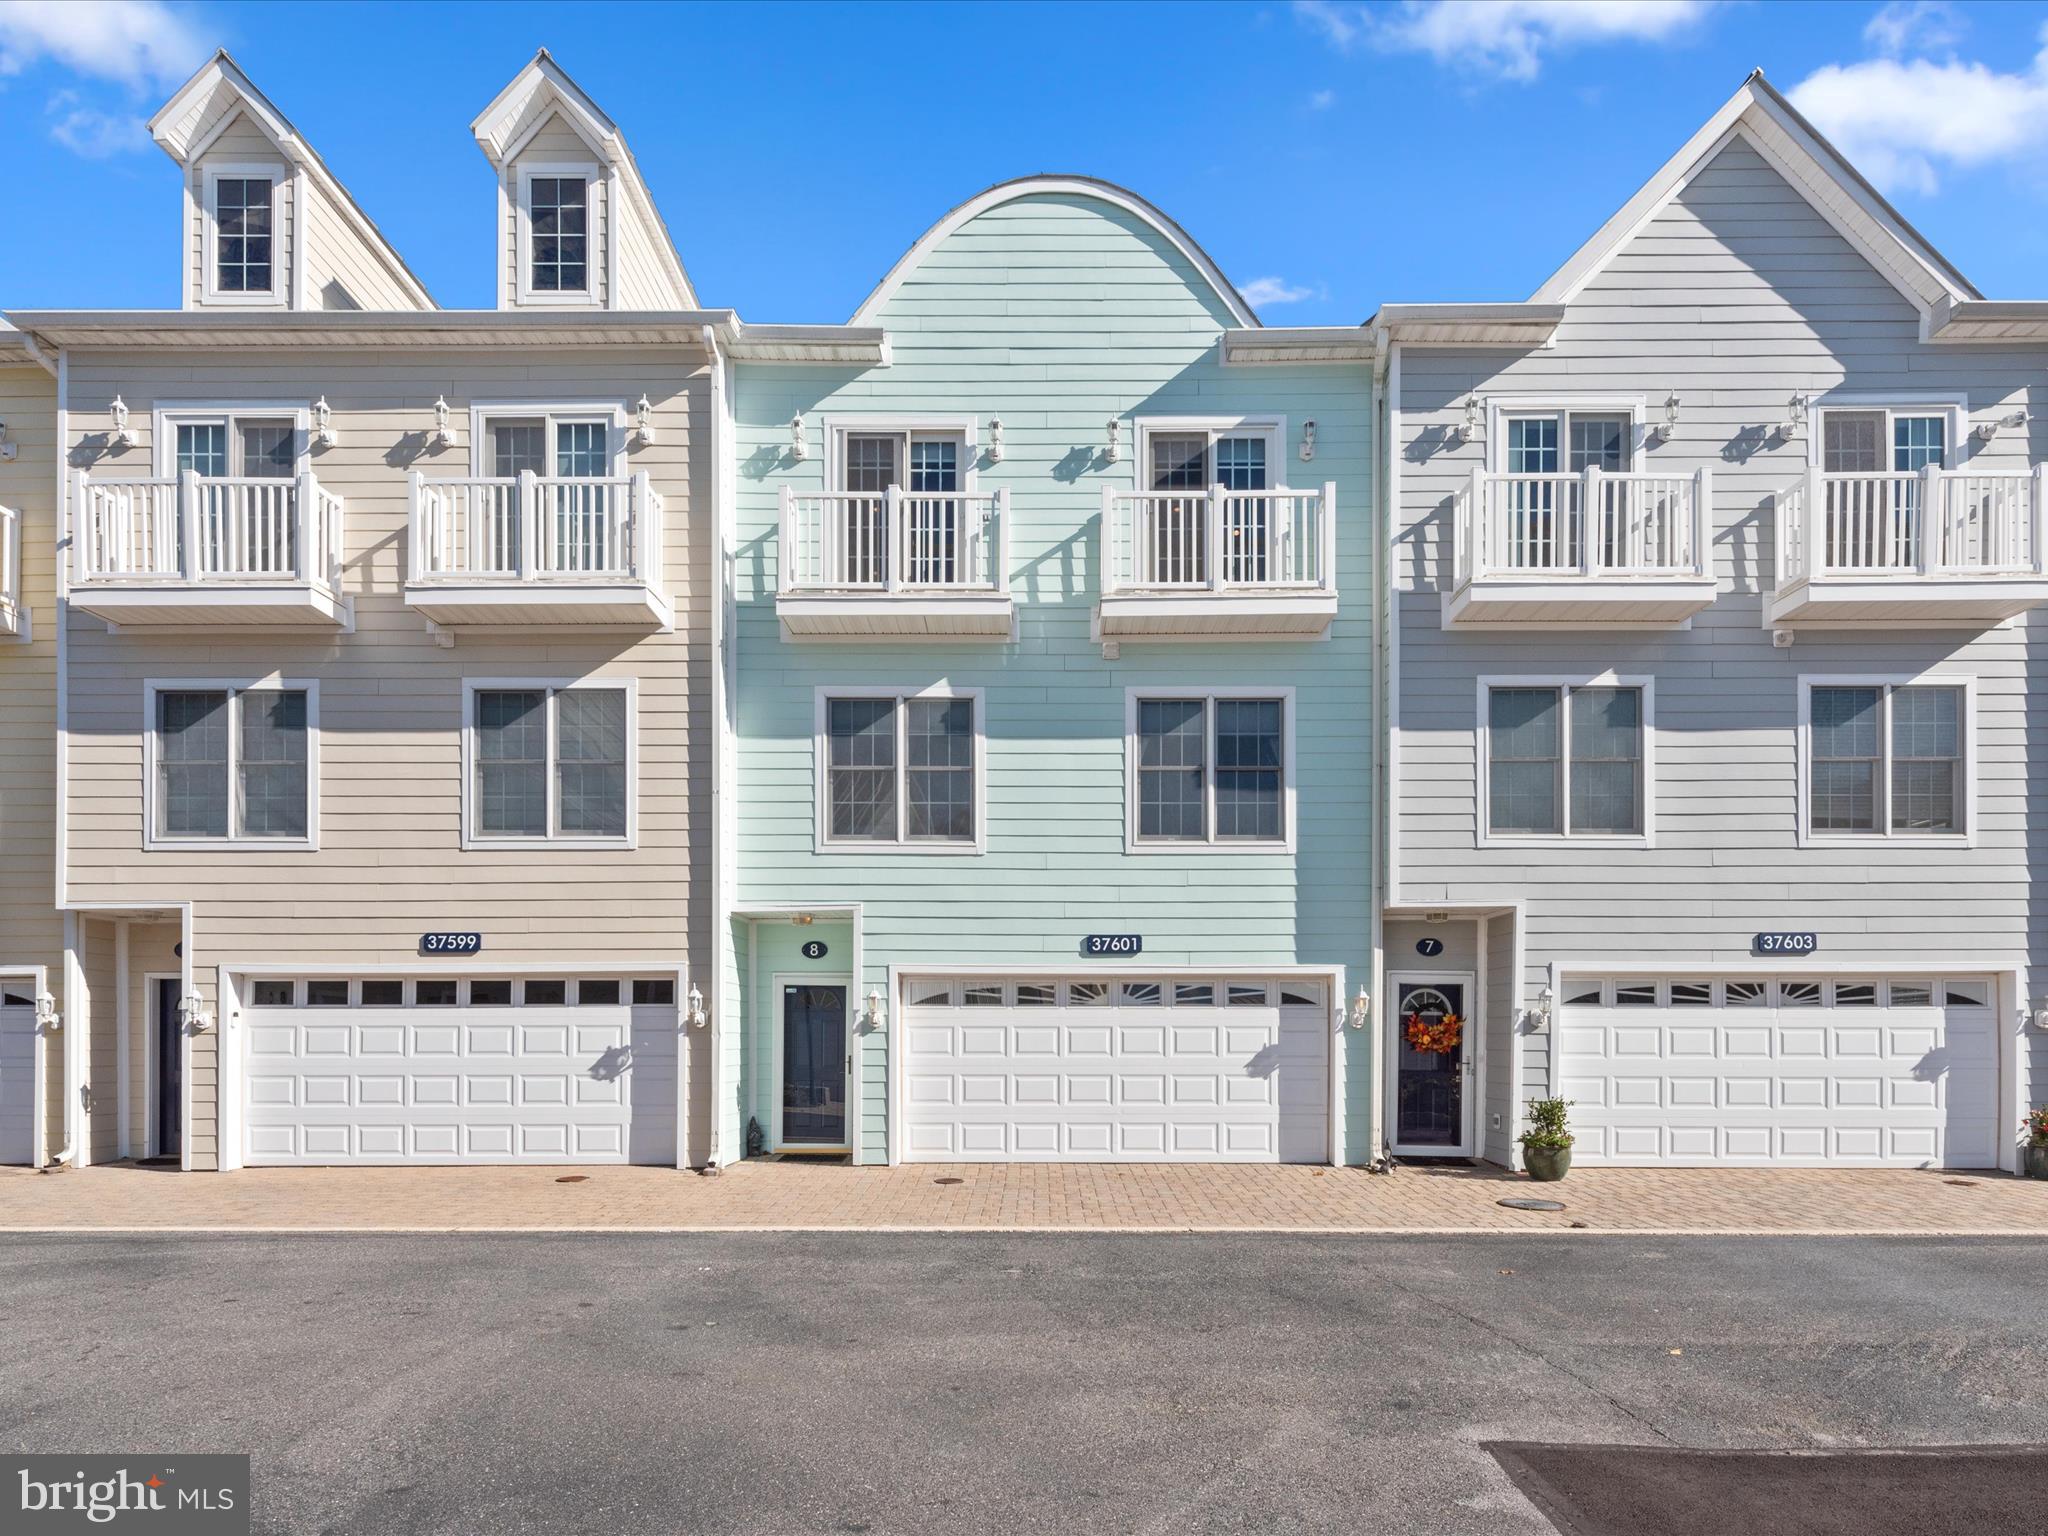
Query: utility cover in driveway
1627, 1490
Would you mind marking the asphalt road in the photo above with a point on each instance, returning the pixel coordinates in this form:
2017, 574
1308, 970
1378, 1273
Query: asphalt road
888, 1383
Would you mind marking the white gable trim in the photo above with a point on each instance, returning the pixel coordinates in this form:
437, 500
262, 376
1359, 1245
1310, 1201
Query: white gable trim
596, 146
1038, 186
1810, 165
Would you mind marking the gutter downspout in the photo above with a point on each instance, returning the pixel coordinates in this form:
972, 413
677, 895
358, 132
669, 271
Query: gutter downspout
722, 451
1386, 377
60, 830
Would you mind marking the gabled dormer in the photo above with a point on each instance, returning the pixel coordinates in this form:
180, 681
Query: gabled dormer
576, 226
267, 226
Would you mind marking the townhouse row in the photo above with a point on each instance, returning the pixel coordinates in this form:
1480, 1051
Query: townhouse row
1052, 716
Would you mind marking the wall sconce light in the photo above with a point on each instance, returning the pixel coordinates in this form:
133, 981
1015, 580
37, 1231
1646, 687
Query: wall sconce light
192, 1013
1987, 430
1475, 420
643, 428
799, 445
1115, 450
441, 437
1539, 1016
7, 447
1670, 422
801, 919
323, 424
872, 1014
47, 1018
1361, 1010
995, 440
1795, 415
696, 1017
2040, 1018
123, 436
1308, 441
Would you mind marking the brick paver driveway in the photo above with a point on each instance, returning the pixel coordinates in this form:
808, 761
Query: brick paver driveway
793, 1195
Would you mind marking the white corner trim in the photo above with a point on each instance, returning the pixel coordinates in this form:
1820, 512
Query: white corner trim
822, 840
1564, 682
1210, 845
551, 842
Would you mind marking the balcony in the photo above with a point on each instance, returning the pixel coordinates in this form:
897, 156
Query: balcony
1580, 551
1934, 549
1218, 564
899, 563
187, 550
14, 613
528, 550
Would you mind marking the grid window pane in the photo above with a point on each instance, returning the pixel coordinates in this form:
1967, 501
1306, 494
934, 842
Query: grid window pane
518, 446
1241, 463
1845, 759
590, 761
1927, 757
1172, 758
1180, 461
1523, 760
266, 449
559, 216
1850, 442
939, 747
242, 233
1248, 770
1599, 442
861, 761
580, 451
1532, 445
512, 763
934, 464
1607, 752
1918, 441
192, 764
272, 766
203, 448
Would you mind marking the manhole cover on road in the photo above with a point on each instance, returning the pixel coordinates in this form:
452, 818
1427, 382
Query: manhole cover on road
948, 1181
572, 1178
1519, 1204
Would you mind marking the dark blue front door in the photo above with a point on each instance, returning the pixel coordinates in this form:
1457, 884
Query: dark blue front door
170, 1069
814, 1065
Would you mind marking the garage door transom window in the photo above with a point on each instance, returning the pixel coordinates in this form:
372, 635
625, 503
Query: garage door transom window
457, 992
1787, 992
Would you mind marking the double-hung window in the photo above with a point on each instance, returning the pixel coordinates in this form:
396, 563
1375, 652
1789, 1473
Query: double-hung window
230, 763
558, 234
900, 770
551, 762
928, 468
244, 230
1886, 759
1566, 759
1211, 770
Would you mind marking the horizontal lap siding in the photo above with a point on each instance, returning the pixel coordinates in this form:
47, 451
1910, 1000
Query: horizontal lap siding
342, 271
243, 143
559, 144
390, 865
1055, 313
1734, 297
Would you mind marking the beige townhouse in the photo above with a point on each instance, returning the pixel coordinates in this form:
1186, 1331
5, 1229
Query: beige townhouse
374, 640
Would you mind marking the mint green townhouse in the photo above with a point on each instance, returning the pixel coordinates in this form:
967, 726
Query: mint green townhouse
1046, 702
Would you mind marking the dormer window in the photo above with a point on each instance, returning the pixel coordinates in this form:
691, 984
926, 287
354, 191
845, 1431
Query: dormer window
558, 220
243, 228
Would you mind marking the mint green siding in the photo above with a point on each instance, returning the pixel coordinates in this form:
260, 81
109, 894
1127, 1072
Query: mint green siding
1055, 312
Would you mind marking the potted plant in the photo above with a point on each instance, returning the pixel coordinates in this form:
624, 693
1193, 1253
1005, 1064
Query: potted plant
1547, 1143
2034, 1148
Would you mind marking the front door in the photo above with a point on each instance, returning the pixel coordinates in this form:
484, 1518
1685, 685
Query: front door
1433, 1048
170, 1068
814, 1066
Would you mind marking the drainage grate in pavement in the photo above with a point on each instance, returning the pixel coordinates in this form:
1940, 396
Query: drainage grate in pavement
1623, 1490
1522, 1203
949, 1181
573, 1178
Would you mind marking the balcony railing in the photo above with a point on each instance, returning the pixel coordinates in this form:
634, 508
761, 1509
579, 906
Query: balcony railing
181, 548
13, 613
1188, 542
897, 541
1593, 525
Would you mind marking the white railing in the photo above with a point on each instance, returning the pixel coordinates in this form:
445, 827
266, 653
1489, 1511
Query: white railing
1219, 540
895, 541
1590, 525
191, 529
1933, 523
10, 570
531, 528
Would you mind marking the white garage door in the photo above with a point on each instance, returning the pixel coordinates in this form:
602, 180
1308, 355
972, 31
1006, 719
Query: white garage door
17, 1075
1123, 1070
1865, 1072
441, 1070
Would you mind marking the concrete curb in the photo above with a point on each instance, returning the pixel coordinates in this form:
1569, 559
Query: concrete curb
2029, 1233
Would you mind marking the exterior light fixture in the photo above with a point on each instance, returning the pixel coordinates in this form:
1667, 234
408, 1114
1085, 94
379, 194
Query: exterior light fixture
799, 445
995, 440
323, 424
1795, 414
696, 1017
1115, 450
1361, 1009
872, 1015
1308, 441
441, 436
2040, 1018
1540, 1015
48, 1019
8, 448
1670, 415
123, 435
192, 1013
643, 428
1475, 420
802, 919
1987, 430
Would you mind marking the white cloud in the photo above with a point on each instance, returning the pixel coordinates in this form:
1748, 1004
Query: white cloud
1322, 101
140, 43
1506, 38
1261, 292
1906, 26
1902, 121
92, 133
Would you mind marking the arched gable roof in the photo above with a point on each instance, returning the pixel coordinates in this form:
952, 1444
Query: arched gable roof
1037, 186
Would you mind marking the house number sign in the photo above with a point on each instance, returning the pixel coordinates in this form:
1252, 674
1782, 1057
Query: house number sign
451, 943
1429, 948
814, 949
1784, 944
1113, 944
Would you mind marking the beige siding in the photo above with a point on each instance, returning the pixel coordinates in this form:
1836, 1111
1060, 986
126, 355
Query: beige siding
243, 143
390, 866
558, 144
644, 281
95, 1012
152, 949
343, 271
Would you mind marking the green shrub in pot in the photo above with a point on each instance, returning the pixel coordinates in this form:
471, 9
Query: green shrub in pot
1547, 1143
2034, 1144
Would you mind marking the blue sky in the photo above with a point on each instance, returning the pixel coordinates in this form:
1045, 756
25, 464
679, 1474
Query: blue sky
1330, 156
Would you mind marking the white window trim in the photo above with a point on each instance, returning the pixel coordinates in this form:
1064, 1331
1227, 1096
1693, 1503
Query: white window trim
821, 756
1564, 681
483, 412
588, 297
234, 687
1885, 838
1210, 845
1499, 408
279, 294
552, 842
1272, 428
1948, 403
168, 416
837, 429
